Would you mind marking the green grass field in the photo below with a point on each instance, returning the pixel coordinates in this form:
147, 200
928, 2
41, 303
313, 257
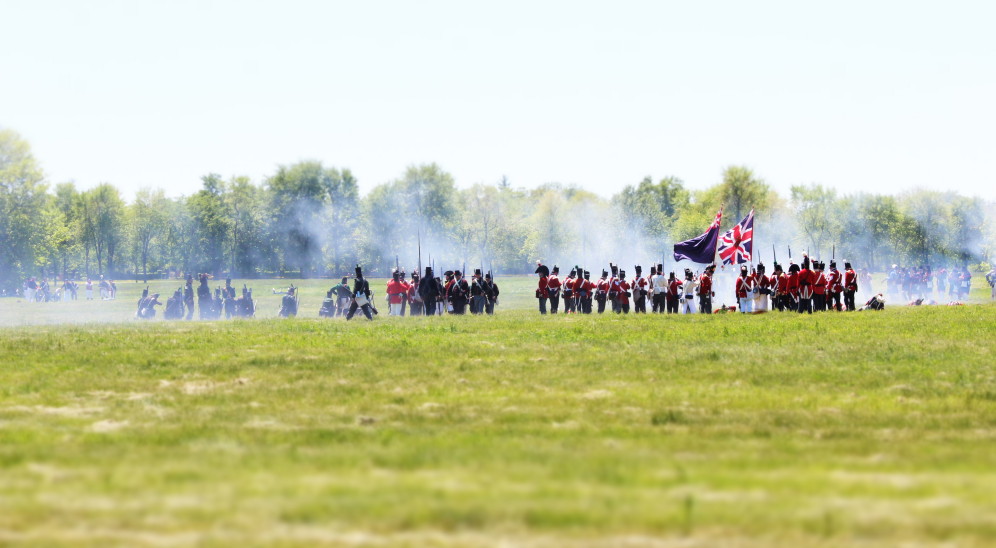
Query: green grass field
872, 428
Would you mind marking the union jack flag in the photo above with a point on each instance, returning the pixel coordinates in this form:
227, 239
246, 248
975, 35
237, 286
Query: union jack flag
735, 246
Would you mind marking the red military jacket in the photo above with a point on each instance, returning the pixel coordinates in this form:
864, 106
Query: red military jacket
396, 291
850, 280
622, 286
764, 282
819, 283
602, 285
705, 284
640, 284
743, 286
542, 286
673, 288
553, 282
834, 281
792, 283
580, 284
778, 282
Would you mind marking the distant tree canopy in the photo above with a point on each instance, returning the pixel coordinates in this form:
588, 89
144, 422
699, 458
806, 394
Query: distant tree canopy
308, 219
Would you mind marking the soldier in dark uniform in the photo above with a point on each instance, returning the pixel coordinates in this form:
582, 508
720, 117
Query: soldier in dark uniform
343, 296
362, 297
478, 294
492, 292
288, 304
328, 305
228, 299
245, 306
205, 303
174, 306
188, 296
428, 288
147, 306
458, 293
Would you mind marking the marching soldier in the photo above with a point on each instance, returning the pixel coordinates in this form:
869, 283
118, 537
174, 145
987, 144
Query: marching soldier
587, 289
743, 290
602, 291
492, 291
623, 293
478, 294
397, 292
689, 289
639, 288
613, 288
416, 305
343, 296
543, 290
705, 290
778, 284
763, 285
362, 297
429, 290
568, 291
835, 285
660, 286
850, 286
553, 289
188, 296
458, 293
819, 288
806, 278
672, 293
174, 306
793, 296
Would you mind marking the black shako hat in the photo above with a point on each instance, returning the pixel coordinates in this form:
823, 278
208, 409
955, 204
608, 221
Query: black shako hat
587, 275
359, 271
556, 269
605, 273
847, 265
477, 272
428, 272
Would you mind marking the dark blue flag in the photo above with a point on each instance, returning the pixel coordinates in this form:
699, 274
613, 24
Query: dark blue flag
701, 249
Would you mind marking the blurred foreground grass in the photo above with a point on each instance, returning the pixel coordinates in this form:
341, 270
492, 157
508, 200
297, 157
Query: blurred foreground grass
517, 429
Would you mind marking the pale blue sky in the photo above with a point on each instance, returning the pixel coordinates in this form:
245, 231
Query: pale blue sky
882, 96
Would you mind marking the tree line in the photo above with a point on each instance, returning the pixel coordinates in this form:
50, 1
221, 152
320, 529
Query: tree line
308, 219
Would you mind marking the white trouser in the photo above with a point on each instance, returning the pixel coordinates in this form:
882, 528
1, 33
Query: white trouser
745, 304
29, 295
687, 305
396, 309
89, 294
761, 303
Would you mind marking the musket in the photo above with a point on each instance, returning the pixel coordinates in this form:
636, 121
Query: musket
790, 252
774, 256
420, 252
833, 254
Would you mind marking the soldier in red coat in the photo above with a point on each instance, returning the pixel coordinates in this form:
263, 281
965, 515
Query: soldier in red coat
820, 288
850, 286
568, 291
614, 288
744, 288
639, 289
792, 287
835, 286
602, 291
542, 292
673, 294
622, 289
553, 285
806, 278
762, 284
705, 290
397, 292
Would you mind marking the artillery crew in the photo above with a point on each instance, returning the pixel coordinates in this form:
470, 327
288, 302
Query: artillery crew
362, 297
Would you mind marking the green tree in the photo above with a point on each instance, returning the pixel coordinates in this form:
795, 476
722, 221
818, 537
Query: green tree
815, 209
147, 220
22, 205
102, 215
741, 191
298, 196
